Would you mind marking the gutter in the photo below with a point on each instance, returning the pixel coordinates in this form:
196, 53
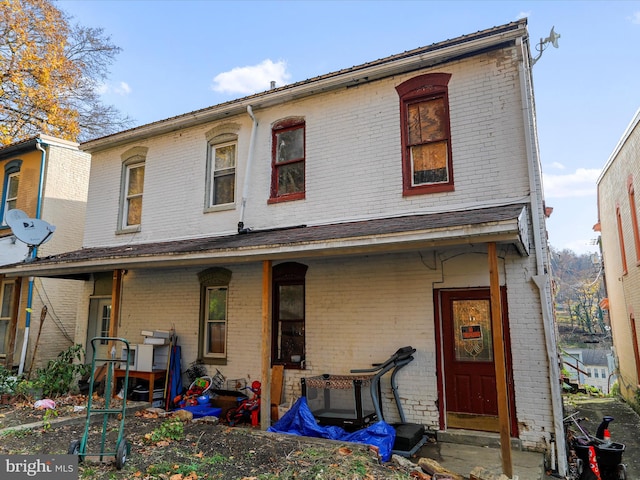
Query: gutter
245, 188
542, 278
34, 254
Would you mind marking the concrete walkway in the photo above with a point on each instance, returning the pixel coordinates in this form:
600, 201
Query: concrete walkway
460, 451
481, 450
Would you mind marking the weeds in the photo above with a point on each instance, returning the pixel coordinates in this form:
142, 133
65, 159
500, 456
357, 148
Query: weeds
172, 429
46, 419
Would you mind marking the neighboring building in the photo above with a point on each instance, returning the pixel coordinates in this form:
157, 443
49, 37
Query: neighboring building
46, 178
325, 224
620, 237
590, 366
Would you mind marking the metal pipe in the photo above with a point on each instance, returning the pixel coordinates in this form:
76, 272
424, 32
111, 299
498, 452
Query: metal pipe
34, 254
541, 279
245, 188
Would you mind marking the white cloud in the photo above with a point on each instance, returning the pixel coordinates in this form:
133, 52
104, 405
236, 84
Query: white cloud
581, 183
121, 89
522, 15
558, 165
252, 78
635, 18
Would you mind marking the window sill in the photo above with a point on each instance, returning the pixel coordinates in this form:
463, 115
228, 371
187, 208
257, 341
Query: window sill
425, 190
213, 361
287, 198
123, 231
218, 208
291, 366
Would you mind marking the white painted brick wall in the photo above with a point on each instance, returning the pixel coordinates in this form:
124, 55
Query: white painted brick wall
353, 160
359, 310
63, 205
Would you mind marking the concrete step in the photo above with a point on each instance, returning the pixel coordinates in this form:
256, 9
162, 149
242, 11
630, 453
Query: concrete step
475, 438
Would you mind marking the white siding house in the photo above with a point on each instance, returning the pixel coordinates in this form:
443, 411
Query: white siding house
325, 224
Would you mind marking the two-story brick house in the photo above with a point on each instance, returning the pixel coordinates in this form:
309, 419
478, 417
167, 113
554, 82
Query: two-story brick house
46, 178
620, 237
324, 224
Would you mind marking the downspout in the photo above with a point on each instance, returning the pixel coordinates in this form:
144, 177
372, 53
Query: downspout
34, 254
245, 188
541, 279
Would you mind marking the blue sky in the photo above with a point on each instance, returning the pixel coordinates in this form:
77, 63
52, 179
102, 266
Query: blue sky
180, 56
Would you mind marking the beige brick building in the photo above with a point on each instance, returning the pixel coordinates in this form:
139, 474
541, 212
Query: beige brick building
620, 237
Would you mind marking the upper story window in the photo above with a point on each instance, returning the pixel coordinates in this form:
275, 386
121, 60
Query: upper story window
634, 217
132, 188
222, 158
427, 165
623, 254
223, 179
10, 187
214, 297
288, 160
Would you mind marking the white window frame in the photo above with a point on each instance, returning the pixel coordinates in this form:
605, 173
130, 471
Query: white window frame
7, 198
11, 170
219, 321
126, 197
6, 318
215, 172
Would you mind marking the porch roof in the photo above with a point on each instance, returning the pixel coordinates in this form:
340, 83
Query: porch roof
500, 224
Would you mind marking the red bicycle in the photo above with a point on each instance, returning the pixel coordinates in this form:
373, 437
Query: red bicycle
248, 410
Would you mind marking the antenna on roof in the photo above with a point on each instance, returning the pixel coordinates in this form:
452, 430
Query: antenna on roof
32, 231
544, 43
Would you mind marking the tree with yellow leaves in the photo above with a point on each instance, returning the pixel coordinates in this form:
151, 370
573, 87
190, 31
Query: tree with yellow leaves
50, 71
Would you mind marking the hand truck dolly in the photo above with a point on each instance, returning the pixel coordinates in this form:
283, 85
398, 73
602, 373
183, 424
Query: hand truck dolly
122, 448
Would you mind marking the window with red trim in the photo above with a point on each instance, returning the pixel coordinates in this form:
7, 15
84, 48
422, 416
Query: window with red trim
427, 166
288, 160
288, 328
623, 255
634, 218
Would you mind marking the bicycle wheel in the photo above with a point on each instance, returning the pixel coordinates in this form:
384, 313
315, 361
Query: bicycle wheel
231, 416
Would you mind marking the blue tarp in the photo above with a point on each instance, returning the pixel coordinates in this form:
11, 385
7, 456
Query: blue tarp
300, 421
175, 377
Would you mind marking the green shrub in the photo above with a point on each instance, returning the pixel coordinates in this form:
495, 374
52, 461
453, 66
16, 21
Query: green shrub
61, 373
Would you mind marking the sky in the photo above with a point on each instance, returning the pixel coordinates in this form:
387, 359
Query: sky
181, 56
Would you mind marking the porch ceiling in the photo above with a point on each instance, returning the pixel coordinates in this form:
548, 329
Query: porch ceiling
500, 224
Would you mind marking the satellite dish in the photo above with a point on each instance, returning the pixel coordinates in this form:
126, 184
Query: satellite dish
32, 231
553, 37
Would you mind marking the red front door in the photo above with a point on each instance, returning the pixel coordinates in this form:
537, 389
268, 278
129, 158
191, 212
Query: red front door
469, 388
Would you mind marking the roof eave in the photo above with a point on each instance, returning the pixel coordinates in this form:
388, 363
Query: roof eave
397, 64
503, 232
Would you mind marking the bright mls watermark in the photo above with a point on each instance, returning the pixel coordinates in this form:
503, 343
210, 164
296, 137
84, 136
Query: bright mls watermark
44, 467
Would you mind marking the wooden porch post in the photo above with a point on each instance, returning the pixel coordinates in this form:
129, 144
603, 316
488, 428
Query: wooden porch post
265, 401
499, 360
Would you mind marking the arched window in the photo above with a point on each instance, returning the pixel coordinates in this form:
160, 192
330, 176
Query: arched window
427, 166
288, 160
214, 296
222, 157
10, 188
132, 185
288, 329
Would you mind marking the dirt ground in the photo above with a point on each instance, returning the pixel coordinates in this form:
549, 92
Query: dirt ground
203, 450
